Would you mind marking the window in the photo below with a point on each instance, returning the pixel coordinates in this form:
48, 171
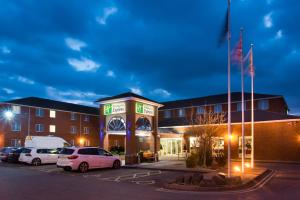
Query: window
200, 110
88, 151
87, 143
218, 108
86, 118
66, 151
247, 146
181, 112
16, 109
52, 114
15, 142
167, 113
86, 130
73, 116
116, 124
73, 130
263, 105
16, 126
39, 112
239, 106
42, 151
39, 128
52, 128
143, 124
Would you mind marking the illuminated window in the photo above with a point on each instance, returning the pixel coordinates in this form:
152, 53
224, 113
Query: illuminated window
116, 124
218, 108
167, 113
52, 114
181, 112
15, 142
39, 112
86, 130
73, 116
143, 124
200, 110
87, 143
16, 109
39, 128
73, 129
16, 126
263, 105
52, 128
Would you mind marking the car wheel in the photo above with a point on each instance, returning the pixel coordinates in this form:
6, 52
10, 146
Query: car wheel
36, 162
117, 164
83, 167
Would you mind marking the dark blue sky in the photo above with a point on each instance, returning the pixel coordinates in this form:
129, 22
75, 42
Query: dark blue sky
78, 51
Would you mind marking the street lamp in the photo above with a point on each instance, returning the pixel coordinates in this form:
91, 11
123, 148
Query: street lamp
9, 115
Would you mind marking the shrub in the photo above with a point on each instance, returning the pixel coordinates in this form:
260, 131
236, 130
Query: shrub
221, 159
117, 150
191, 161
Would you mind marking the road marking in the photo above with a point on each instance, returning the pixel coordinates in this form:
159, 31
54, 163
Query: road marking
131, 176
151, 182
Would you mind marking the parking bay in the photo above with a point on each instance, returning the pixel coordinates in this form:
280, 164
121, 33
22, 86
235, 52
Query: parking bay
155, 178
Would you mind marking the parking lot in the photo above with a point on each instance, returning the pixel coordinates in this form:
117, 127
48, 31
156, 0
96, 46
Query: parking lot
47, 182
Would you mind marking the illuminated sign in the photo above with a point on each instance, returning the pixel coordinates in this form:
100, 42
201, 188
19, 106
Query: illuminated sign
114, 108
144, 109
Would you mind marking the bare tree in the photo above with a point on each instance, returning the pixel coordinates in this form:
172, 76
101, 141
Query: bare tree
204, 127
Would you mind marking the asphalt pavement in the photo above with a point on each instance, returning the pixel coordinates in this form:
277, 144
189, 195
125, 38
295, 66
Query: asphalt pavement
23, 182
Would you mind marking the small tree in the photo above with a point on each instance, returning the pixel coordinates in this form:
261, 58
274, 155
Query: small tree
204, 127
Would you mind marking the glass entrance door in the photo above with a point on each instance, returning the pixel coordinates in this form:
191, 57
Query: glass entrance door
171, 146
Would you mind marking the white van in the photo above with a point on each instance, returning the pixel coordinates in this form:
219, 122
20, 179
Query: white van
42, 149
50, 142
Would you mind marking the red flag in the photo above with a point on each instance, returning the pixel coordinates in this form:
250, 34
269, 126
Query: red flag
236, 55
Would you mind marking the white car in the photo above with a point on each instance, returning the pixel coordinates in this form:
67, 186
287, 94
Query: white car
85, 158
38, 156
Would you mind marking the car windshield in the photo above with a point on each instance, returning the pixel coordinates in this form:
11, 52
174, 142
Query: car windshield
67, 151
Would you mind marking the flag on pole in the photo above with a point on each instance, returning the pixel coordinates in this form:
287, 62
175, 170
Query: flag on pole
225, 30
236, 54
249, 57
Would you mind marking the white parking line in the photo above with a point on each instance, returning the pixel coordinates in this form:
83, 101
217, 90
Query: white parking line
131, 176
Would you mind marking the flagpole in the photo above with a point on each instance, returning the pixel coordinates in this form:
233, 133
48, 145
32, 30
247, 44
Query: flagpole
229, 95
243, 104
252, 107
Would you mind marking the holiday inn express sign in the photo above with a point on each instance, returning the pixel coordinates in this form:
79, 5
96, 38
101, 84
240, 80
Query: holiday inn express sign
114, 108
144, 109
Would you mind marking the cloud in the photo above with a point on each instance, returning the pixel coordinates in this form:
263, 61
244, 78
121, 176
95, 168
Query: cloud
161, 92
22, 79
136, 90
8, 91
106, 13
278, 34
268, 21
75, 44
110, 73
73, 96
84, 64
5, 50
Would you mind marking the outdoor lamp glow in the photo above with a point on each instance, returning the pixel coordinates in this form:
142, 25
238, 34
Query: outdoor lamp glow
81, 141
8, 115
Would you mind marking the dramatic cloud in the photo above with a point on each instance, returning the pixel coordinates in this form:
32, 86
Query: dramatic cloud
278, 34
8, 91
106, 13
5, 50
161, 92
75, 44
83, 64
110, 73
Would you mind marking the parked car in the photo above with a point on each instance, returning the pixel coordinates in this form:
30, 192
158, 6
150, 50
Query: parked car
85, 158
14, 155
38, 156
4, 152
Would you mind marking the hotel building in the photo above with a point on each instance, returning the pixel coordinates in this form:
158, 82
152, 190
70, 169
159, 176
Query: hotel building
139, 124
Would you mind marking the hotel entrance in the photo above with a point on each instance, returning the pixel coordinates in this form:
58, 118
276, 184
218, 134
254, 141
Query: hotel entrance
170, 147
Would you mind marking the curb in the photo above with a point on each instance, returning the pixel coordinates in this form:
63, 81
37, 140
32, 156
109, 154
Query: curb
253, 184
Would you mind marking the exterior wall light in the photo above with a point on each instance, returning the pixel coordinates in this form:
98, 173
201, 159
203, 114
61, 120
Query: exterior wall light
237, 168
9, 115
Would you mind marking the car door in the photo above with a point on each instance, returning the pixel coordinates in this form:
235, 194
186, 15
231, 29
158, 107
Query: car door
106, 158
43, 155
52, 155
93, 157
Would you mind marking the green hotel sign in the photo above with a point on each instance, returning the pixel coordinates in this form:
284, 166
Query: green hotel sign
114, 108
144, 109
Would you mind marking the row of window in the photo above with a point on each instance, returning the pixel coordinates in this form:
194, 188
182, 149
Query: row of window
40, 112
17, 142
262, 105
16, 126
